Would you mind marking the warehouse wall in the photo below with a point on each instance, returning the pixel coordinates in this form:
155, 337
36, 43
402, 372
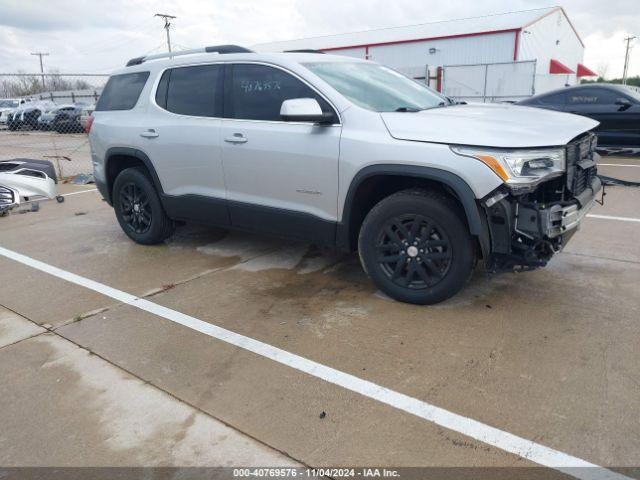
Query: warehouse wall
540, 43
488, 48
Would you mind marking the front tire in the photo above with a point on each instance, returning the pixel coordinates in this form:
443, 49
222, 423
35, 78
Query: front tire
416, 247
138, 208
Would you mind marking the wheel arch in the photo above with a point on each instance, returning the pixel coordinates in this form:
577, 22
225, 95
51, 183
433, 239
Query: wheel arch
119, 158
401, 177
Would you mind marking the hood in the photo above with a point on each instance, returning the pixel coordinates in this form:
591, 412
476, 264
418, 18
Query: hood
488, 125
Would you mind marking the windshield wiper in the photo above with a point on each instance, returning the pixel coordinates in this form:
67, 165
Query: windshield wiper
407, 109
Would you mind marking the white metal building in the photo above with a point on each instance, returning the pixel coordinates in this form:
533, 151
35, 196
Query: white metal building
491, 58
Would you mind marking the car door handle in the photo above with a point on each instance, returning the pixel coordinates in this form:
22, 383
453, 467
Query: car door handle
151, 133
236, 138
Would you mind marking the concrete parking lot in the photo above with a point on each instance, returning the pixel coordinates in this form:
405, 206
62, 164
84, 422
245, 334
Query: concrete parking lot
122, 350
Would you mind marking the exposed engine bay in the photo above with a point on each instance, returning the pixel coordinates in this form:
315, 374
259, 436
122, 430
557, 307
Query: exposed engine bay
528, 227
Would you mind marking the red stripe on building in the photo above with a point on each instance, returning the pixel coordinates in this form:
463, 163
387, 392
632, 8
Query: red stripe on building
398, 42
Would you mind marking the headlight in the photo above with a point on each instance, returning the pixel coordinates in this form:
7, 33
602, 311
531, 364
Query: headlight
519, 167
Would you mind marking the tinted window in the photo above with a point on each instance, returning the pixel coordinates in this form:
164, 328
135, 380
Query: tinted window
257, 92
192, 91
161, 91
554, 99
122, 91
592, 96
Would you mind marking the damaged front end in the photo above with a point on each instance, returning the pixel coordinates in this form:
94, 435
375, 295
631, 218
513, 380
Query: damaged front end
9, 198
29, 179
528, 225
532, 218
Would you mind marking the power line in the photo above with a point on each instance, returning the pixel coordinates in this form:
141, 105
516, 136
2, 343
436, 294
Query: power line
626, 59
41, 54
167, 23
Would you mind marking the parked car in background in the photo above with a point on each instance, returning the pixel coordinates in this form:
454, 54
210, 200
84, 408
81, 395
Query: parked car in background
616, 107
68, 121
48, 118
7, 105
27, 115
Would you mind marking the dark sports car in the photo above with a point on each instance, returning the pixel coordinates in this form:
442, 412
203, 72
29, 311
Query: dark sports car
616, 107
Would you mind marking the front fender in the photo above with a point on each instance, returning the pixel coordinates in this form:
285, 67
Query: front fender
462, 190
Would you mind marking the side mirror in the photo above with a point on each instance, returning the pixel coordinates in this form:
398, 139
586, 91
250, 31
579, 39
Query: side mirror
303, 110
623, 102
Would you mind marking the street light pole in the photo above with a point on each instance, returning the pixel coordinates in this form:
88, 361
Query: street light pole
626, 59
167, 23
41, 54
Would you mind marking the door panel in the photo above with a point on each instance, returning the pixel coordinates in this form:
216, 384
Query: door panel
289, 166
272, 167
182, 134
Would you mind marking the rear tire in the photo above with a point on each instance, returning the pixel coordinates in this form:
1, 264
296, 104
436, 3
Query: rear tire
416, 247
138, 208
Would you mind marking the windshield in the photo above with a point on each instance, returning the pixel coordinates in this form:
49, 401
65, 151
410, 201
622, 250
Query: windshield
8, 104
375, 87
635, 94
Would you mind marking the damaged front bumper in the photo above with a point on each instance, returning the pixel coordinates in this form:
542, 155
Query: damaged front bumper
9, 198
526, 233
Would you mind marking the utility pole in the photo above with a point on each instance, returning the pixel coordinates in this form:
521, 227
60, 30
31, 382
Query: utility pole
41, 54
626, 59
167, 23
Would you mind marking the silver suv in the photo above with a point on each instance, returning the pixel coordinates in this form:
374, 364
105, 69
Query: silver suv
345, 153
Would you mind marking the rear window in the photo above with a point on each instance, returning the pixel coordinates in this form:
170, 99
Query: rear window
122, 91
194, 91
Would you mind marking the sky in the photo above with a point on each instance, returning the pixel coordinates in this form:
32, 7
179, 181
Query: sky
89, 36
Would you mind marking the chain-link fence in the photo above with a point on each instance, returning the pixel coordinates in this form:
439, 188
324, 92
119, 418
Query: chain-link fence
44, 117
490, 82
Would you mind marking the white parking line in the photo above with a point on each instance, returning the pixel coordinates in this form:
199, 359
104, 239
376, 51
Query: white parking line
519, 446
608, 217
81, 191
616, 165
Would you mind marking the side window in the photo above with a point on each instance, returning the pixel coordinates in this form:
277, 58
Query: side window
554, 99
122, 91
161, 91
194, 91
257, 93
592, 96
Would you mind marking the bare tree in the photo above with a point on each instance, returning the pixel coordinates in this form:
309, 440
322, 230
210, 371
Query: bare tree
602, 69
26, 85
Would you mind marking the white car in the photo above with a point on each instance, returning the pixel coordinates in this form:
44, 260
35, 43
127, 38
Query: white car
28, 113
7, 105
345, 153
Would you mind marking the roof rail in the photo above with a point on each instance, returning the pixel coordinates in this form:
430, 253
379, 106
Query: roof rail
219, 49
304, 50
227, 49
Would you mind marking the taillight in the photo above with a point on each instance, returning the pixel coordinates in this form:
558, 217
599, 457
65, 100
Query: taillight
87, 126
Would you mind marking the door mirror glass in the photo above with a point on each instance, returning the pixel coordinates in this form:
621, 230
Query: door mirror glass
302, 110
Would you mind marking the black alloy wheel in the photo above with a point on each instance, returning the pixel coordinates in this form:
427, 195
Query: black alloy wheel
135, 207
138, 207
413, 251
416, 246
